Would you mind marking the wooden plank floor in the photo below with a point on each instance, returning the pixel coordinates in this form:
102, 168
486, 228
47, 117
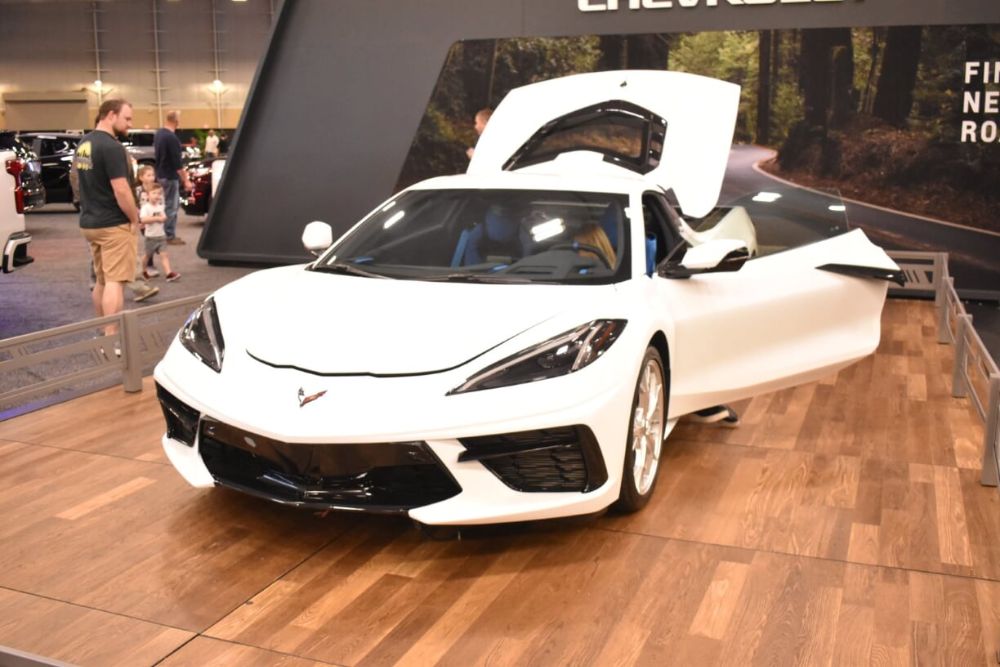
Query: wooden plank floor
841, 524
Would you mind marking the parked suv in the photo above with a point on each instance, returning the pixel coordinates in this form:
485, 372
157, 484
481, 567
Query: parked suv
55, 152
139, 145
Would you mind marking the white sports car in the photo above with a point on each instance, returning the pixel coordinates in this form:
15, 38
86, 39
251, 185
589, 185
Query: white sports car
517, 342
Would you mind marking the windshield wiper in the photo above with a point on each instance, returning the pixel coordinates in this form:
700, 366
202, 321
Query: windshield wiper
474, 278
350, 269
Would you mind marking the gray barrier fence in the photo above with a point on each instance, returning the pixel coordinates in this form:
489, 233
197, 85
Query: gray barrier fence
46, 362
974, 373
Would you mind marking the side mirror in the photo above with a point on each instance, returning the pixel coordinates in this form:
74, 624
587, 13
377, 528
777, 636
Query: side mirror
317, 237
717, 256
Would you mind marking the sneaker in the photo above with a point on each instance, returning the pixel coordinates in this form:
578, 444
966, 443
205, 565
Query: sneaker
172, 276
176, 241
150, 272
145, 292
146, 275
723, 415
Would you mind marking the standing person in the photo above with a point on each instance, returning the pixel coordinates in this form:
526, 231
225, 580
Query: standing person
141, 290
170, 171
147, 181
479, 122
152, 216
212, 144
109, 219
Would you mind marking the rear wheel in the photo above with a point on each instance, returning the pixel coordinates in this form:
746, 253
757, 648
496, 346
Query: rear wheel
645, 435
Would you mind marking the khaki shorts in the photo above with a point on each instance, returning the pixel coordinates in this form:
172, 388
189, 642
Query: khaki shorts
114, 252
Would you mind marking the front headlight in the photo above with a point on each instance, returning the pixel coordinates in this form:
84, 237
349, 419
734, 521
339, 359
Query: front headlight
202, 336
561, 355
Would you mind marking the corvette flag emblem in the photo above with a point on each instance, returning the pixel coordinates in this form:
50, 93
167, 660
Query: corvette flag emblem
304, 400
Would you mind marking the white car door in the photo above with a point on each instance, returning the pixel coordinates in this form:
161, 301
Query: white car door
781, 320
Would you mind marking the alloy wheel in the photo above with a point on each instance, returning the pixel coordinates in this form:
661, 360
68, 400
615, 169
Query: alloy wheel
647, 427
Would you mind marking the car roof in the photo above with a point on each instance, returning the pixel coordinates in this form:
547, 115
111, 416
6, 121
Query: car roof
52, 135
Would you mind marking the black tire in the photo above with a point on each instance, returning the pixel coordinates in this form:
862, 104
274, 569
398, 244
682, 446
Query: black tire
632, 498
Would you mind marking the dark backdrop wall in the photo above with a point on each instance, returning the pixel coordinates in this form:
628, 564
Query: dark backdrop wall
340, 94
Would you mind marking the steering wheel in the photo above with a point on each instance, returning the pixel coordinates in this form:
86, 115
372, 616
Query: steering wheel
584, 246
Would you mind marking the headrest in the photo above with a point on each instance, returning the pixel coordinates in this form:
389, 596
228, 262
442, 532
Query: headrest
498, 226
611, 221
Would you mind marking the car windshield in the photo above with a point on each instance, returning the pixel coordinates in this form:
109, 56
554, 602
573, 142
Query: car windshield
510, 236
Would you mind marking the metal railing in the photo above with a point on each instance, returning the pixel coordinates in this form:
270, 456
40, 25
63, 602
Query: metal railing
974, 373
47, 362
923, 271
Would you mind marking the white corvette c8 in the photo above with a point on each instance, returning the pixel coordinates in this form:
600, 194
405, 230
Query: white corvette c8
517, 342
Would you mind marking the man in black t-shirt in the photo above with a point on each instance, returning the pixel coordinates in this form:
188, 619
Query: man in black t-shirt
170, 171
109, 219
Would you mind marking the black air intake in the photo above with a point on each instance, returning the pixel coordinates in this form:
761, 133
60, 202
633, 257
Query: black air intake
376, 477
555, 459
182, 419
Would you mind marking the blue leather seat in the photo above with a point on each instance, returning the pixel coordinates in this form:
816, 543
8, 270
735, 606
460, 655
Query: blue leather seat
496, 235
650, 254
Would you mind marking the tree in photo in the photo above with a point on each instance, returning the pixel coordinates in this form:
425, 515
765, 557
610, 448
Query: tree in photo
894, 98
826, 81
478, 74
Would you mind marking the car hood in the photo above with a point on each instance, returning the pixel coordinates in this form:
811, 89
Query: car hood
347, 325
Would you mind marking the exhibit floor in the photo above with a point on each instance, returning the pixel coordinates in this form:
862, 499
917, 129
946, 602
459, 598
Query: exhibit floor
841, 523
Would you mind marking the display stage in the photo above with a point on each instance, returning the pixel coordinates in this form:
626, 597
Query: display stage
841, 523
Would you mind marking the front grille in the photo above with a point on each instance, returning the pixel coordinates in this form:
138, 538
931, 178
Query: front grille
556, 459
380, 477
182, 419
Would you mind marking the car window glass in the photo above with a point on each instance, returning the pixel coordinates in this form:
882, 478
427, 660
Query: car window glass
624, 133
516, 235
138, 139
620, 135
55, 146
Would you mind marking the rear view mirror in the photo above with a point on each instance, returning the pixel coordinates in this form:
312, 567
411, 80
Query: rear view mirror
716, 256
317, 237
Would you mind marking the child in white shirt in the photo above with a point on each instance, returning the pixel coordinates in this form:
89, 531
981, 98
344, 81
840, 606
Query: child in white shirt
152, 215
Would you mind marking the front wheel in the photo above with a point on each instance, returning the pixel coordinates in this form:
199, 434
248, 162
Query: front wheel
645, 435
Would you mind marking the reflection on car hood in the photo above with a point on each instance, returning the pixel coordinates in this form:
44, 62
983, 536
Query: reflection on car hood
335, 324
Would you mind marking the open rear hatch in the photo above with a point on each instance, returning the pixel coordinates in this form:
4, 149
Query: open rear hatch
672, 127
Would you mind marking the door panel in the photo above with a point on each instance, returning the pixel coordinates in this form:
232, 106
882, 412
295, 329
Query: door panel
777, 322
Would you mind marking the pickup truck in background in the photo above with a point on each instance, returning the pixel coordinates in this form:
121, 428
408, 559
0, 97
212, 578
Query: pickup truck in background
15, 199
